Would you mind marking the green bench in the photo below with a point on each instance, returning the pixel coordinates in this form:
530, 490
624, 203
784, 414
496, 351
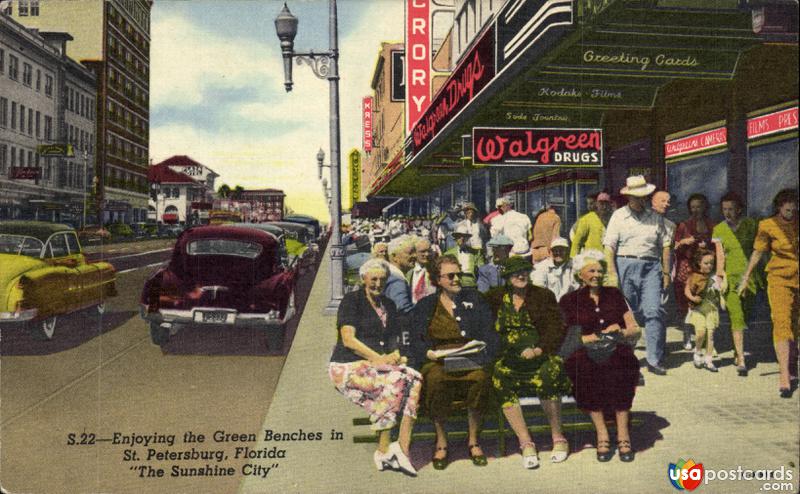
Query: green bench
573, 420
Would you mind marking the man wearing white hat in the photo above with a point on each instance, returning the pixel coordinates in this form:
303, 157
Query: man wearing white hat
490, 274
555, 272
469, 258
637, 245
514, 225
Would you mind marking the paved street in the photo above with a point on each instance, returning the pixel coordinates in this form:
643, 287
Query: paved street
101, 375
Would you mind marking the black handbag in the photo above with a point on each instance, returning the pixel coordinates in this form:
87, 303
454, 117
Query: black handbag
601, 350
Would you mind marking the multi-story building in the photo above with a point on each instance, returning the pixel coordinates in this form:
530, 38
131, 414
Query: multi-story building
113, 38
388, 110
46, 102
181, 191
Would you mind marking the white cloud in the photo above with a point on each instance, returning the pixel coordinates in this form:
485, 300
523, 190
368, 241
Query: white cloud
186, 59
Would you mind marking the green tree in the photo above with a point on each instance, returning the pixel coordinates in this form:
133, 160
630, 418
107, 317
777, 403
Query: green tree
237, 192
224, 191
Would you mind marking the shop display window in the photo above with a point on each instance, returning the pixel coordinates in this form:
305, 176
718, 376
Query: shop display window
704, 174
771, 167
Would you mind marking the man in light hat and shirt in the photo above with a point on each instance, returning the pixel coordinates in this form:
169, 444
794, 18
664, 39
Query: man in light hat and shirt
637, 246
474, 225
514, 225
555, 272
469, 259
490, 274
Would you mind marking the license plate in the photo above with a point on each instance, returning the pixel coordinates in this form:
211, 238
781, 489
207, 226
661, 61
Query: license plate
215, 317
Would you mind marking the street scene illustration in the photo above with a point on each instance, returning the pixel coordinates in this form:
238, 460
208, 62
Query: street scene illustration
401, 245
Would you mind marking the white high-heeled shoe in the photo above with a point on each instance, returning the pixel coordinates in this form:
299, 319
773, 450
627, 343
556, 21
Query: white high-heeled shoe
384, 460
403, 462
530, 461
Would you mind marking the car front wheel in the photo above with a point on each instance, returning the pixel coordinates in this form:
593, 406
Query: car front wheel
158, 335
44, 329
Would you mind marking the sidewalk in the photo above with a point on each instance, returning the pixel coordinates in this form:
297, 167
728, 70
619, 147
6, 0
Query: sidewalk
721, 420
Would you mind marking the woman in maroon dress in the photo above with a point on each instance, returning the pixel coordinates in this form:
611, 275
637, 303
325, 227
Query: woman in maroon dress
604, 370
690, 235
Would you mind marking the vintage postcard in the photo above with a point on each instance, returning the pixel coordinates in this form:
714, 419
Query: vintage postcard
355, 246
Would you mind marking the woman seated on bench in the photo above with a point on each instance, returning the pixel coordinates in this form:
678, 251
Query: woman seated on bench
367, 368
446, 319
528, 321
604, 371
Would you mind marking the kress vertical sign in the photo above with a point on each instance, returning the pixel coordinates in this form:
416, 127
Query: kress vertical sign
366, 123
355, 177
417, 60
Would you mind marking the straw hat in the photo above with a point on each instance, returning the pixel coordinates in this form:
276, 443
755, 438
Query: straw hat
637, 186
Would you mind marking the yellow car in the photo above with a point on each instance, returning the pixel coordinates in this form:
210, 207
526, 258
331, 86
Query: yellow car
44, 274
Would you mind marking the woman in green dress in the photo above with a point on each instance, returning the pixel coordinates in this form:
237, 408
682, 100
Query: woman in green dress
528, 321
736, 234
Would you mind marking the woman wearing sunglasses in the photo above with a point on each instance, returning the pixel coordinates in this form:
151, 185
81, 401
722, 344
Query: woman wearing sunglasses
528, 321
444, 320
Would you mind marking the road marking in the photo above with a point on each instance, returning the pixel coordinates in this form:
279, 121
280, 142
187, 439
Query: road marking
74, 382
141, 267
137, 254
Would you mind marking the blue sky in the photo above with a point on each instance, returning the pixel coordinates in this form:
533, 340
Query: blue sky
217, 88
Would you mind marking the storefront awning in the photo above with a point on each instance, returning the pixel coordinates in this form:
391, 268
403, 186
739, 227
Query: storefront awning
564, 64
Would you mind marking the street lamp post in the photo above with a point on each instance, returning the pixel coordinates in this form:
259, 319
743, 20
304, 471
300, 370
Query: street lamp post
325, 66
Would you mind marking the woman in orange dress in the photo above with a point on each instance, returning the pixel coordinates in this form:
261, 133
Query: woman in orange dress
777, 235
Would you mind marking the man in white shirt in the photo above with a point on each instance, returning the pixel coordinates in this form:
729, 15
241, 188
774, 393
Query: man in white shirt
637, 247
514, 225
418, 278
555, 272
474, 226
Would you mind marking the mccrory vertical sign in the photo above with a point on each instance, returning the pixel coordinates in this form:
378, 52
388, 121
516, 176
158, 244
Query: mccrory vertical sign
417, 60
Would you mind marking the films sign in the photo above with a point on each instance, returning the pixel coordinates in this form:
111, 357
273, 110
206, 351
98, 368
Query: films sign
537, 146
366, 123
772, 123
417, 60
475, 71
695, 143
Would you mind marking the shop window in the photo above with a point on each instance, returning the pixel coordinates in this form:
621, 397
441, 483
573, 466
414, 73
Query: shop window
706, 175
771, 168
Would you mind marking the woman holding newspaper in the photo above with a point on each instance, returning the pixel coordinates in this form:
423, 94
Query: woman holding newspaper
367, 368
528, 321
455, 346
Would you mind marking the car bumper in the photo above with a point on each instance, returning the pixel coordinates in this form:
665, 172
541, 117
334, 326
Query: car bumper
234, 318
20, 316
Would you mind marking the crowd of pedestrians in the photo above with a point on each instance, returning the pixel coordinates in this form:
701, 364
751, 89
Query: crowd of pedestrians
554, 314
